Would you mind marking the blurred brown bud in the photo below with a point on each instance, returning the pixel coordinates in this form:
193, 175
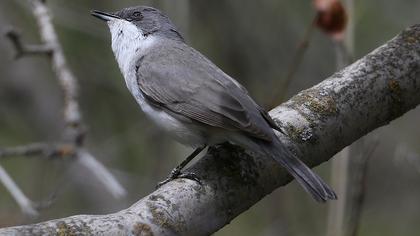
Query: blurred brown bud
331, 18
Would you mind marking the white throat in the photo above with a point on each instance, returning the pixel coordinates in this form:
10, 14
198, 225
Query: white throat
128, 44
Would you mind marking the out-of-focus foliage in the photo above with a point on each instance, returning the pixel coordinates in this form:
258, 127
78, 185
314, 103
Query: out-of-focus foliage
251, 40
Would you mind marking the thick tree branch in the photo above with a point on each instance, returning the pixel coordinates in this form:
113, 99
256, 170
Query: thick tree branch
319, 122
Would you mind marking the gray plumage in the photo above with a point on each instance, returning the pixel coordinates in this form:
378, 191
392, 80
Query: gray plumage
190, 97
175, 77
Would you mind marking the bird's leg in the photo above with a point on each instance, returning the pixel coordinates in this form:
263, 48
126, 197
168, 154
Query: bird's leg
176, 172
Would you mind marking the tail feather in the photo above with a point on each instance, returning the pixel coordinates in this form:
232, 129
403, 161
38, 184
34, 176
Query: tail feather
310, 181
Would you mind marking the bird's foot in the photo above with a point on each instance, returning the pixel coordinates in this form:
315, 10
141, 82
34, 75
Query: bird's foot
177, 174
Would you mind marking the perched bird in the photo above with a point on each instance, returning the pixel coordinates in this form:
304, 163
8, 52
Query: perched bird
188, 96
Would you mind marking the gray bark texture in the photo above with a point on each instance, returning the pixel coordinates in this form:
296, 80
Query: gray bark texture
318, 122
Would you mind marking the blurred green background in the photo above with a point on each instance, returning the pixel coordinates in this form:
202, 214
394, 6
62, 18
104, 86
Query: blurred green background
254, 42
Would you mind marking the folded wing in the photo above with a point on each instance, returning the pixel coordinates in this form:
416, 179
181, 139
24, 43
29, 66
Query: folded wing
199, 90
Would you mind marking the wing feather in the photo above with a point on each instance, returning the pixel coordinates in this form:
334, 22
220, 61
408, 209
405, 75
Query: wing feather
199, 91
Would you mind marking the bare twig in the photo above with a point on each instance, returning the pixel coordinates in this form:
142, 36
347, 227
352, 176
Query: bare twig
337, 211
24, 203
23, 49
38, 149
72, 114
34, 149
101, 173
358, 185
336, 225
281, 86
68, 82
343, 54
74, 133
339, 182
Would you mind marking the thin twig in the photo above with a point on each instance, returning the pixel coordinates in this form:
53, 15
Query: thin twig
336, 225
343, 54
339, 182
68, 82
25, 49
38, 149
74, 133
34, 149
24, 203
281, 86
72, 113
101, 173
339, 174
359, 186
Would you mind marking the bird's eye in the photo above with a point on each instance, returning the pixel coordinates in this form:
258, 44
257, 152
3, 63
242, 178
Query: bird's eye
137, 15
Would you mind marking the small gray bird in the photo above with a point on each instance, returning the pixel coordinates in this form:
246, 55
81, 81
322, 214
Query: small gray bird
188, 96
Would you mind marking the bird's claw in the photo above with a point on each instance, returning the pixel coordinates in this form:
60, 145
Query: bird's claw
176, 174
190, 175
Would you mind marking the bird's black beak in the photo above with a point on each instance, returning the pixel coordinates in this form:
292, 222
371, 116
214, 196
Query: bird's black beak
104, 16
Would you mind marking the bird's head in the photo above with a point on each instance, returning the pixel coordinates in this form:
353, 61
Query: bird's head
139, 22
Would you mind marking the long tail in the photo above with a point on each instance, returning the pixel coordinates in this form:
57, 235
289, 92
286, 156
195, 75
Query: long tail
310, 181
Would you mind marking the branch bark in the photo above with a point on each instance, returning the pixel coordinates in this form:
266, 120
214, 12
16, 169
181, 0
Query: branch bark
318, 122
